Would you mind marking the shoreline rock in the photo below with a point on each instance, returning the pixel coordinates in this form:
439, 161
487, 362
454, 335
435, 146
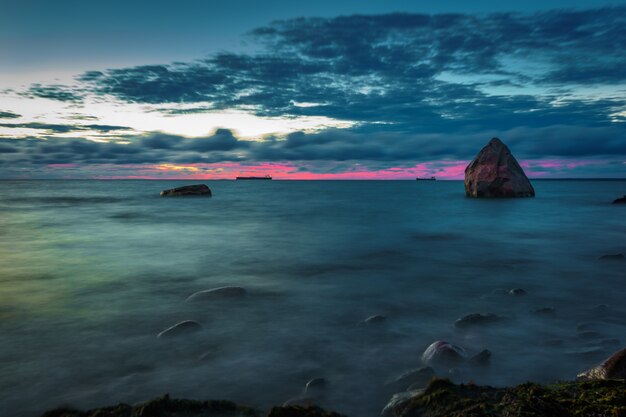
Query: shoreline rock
441, 398
612, 368
181, 328
495, 173
217, 293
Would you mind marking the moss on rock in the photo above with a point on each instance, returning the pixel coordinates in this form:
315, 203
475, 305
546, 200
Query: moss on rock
568, 399
162, 407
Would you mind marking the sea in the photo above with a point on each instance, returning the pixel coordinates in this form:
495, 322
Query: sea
92, 271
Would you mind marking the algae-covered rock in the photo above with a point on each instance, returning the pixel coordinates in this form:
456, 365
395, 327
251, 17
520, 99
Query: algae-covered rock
442, 398
163, 407
301, 411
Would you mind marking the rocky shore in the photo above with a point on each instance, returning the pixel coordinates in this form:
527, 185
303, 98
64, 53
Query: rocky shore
441, 398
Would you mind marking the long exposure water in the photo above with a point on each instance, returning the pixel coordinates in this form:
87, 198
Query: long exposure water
92, 271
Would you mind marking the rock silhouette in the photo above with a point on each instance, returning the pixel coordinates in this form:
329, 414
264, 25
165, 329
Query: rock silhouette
495, 173
187, 190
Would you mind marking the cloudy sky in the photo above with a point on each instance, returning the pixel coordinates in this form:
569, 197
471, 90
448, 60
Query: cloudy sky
350, 89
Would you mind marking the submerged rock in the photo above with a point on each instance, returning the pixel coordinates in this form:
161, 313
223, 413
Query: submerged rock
612, 368
413, 379
621, 200
495, 172
443, 353
315, 385
517, 292
545, 311
220, 292
184, 327
481, 358
476, 319
612, 257
187, 190
375, 319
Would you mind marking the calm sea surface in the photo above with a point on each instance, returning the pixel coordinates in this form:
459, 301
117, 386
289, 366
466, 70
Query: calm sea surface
92, 271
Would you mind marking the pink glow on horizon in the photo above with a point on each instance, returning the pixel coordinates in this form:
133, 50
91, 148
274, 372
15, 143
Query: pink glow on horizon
444, 170
291, 171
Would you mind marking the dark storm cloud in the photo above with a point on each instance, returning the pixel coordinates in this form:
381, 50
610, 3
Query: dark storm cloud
375, 149
9, 115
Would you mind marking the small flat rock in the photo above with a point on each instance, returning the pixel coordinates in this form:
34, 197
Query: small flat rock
621, 200
414, 378
216, 293
545, 311
476, 319
482, 358
179, 329
554, 342
188, 190
315, 386
584, 351
589, 335
612, 257
518, 292
375, 319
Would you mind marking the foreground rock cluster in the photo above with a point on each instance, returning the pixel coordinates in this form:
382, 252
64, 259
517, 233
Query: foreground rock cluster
441, 398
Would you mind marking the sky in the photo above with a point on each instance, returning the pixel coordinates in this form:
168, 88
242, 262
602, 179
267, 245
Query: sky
309, 90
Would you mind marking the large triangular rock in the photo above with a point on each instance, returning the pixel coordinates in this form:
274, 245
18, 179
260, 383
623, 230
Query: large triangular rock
495, 173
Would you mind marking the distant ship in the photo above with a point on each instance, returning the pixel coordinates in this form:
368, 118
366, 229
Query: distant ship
267, 177
426, 179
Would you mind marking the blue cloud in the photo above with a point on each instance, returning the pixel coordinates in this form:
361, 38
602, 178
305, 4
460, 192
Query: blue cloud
392, 68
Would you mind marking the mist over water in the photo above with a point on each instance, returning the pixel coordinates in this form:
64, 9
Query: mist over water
92, 271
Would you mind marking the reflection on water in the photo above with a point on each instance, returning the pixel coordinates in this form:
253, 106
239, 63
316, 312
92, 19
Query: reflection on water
92, 271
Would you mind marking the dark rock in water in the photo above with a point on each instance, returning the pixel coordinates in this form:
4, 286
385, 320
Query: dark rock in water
495, 173
163, 407
612, 368
442, 398
589, 335
215, 293
585, 352
476, 319
315, 386
609, 342
554, 342
621, 200
413, 379
184, 327
482, 358
600, 310
443, 353
545, 311
517, 292
301, 411
187, 190
586, 326
615, 257
375, 319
